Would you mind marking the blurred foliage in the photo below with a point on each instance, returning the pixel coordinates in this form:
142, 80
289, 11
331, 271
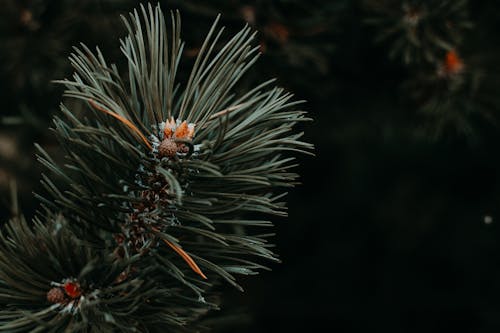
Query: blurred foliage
419, 30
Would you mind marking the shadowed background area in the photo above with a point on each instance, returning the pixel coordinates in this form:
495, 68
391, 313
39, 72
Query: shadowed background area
395, 227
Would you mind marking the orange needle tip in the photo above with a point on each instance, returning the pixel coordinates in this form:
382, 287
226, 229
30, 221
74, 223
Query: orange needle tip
186, 258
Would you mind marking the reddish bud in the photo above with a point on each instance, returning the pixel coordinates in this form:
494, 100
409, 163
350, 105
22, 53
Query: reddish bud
72, 289
452, 63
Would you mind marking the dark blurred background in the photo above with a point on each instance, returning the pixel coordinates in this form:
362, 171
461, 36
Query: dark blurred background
396, 225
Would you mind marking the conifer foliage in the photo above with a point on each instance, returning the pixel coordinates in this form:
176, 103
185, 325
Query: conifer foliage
448, 84
419, 30
164, 190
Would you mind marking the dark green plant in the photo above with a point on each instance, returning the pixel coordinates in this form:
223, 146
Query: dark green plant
453, 97
52, 282
417, 30
178, 177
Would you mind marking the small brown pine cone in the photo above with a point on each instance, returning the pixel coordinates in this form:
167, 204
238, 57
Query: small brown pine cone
56, 295
167, 148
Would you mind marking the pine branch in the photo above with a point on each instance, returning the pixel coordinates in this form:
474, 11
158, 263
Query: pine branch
49, 282
165, 182
240, 143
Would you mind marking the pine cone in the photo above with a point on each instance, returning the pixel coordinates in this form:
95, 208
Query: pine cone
56, 295
168, 148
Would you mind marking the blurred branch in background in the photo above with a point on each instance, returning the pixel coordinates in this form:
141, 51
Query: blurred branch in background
419, 31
